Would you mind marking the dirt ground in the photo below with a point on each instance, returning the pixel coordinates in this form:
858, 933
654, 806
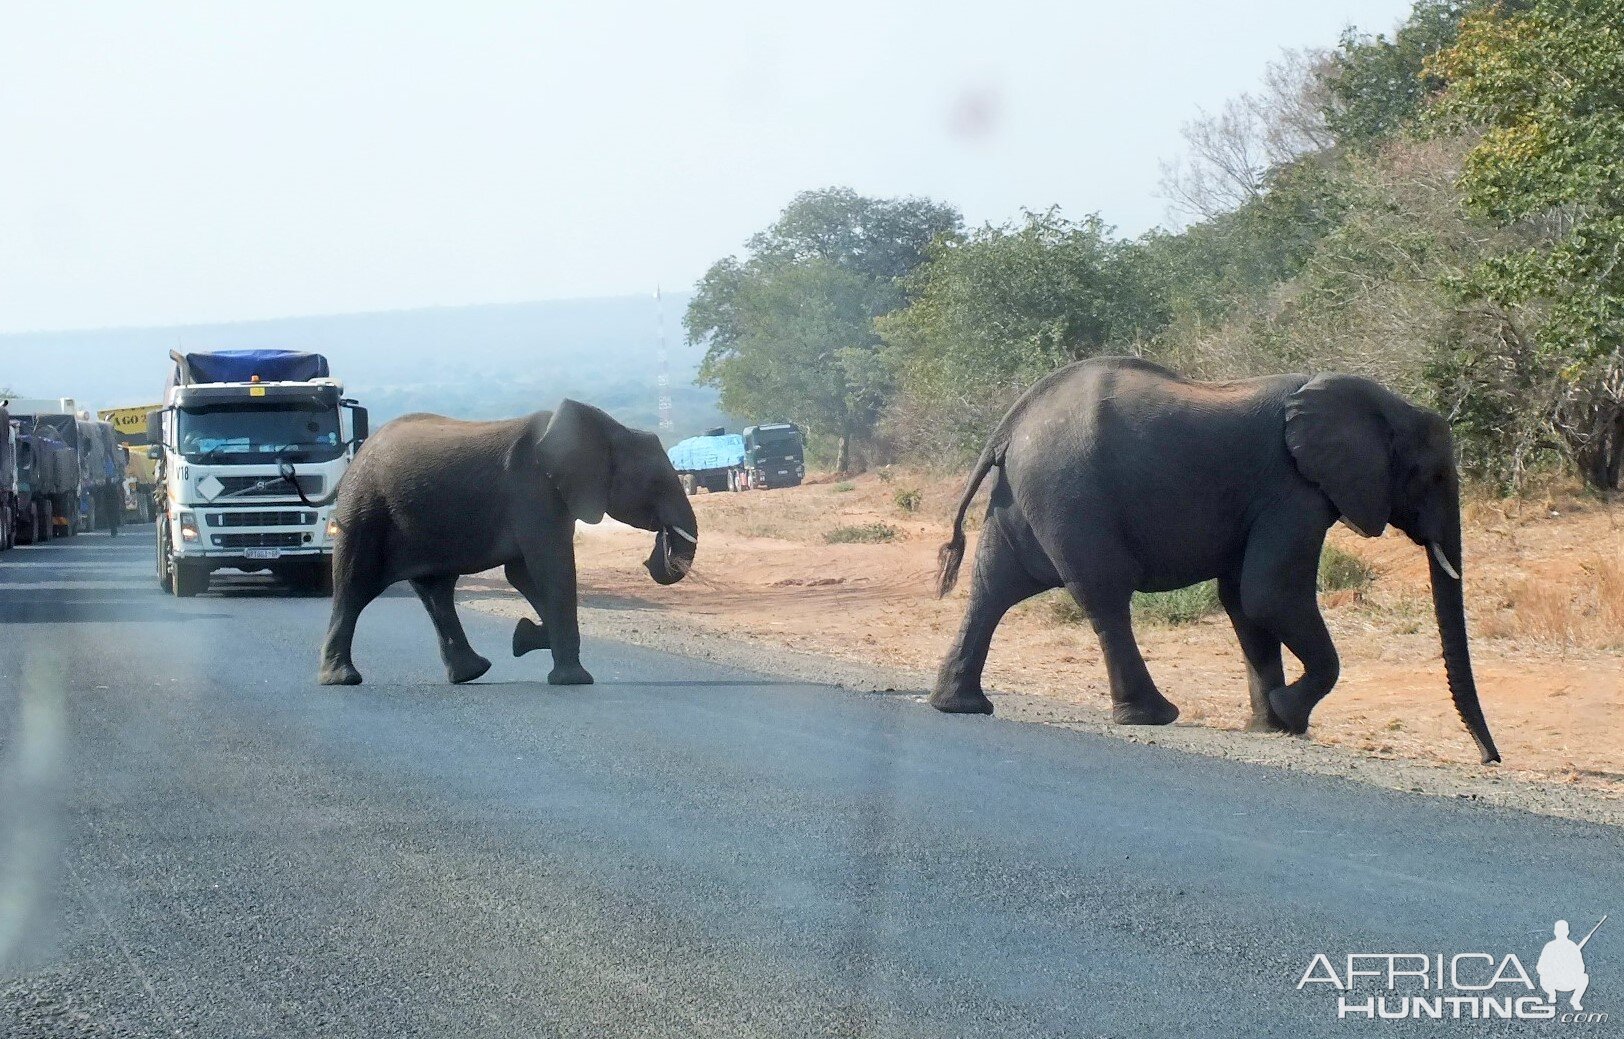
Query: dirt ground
1545, 594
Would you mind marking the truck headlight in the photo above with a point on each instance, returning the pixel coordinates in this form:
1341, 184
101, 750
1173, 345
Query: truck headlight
188, 526
332, 528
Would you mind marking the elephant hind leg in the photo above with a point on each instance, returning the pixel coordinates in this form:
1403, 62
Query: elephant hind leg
999, 582
356, 582
1135, 700
1265, 671
462, 664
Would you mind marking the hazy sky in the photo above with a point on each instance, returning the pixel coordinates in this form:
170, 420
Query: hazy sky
166, 163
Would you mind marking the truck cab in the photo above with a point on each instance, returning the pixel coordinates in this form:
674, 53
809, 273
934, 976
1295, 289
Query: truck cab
251, 446
774, 455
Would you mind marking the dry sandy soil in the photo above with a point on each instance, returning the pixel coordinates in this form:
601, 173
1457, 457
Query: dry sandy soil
1545, 581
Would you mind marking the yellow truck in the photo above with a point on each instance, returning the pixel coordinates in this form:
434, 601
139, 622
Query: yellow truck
140, 471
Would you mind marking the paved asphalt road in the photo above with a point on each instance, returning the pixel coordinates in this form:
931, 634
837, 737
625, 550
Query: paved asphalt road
214, 846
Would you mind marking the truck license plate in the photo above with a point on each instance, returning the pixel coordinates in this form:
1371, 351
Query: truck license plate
263, 553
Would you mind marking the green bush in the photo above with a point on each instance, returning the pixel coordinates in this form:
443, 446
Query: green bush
1180, 606
908, 499
1339, 570
866, 534
843, 486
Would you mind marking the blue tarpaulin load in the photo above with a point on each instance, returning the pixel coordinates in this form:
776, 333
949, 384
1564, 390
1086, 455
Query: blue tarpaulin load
243, 365
697, 454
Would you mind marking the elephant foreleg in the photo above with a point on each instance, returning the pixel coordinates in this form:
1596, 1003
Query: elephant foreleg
1265, 671
998, 583
549, 559
527, 634
462, 664
1278, 594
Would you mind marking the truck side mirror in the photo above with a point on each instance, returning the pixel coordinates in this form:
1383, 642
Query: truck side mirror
358, 418
155, 452
155, 430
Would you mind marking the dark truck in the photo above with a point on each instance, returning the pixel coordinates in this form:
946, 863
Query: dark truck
774, 455
770, 455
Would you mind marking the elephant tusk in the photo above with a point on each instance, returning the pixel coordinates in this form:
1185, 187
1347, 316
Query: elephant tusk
1438, 554
684, 534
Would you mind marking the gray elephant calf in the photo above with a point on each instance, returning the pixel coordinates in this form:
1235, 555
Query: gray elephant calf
432, 498
1116, 475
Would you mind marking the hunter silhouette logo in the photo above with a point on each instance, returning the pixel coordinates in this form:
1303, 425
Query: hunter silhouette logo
1393, 986
1561, 965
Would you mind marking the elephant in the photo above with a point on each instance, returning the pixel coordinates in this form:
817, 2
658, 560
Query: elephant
1117, 475
431, 498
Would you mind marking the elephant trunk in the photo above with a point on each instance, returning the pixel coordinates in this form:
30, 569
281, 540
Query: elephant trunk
675, 544
1449, 605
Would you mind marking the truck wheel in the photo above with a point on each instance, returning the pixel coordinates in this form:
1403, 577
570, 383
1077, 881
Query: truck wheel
187, 580
164, 580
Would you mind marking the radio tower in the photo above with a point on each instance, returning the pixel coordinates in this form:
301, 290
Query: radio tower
663, 379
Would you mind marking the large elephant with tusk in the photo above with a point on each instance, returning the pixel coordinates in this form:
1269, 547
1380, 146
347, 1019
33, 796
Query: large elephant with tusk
1117, 475
432, 498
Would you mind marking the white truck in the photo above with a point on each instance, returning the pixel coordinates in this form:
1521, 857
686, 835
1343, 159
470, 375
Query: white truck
250, 446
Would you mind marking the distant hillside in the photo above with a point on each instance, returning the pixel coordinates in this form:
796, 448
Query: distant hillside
470, 362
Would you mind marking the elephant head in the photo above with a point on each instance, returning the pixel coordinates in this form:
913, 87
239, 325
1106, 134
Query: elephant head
599, 466
1381, 460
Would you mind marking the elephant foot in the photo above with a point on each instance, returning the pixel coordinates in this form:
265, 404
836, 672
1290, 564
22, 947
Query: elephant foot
528, 635
1266, 723
339, 674
466, 669
569, 674
1159, 711
1292, 708
960, 701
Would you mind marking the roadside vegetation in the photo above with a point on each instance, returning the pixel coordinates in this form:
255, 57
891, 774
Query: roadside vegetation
862, 534
1440, 208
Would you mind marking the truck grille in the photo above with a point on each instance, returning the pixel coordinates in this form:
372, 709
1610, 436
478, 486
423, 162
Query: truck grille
275, 540
242, 486
259, 519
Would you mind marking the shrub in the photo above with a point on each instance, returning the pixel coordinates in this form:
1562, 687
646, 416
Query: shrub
908, 499
843, 486
1180, 606
1339, 570
865, 533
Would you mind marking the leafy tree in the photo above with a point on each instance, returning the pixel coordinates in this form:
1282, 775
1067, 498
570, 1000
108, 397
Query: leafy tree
997, 309
1546, 85
1377, 85
876, 237
789, 330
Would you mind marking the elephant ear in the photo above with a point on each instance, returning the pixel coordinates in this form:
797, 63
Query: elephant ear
1338, 434
574, 453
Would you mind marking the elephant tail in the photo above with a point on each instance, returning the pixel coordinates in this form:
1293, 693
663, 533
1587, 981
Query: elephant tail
951, 555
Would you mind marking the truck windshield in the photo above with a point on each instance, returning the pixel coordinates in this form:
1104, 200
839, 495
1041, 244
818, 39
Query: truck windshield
297, 431
786, 440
